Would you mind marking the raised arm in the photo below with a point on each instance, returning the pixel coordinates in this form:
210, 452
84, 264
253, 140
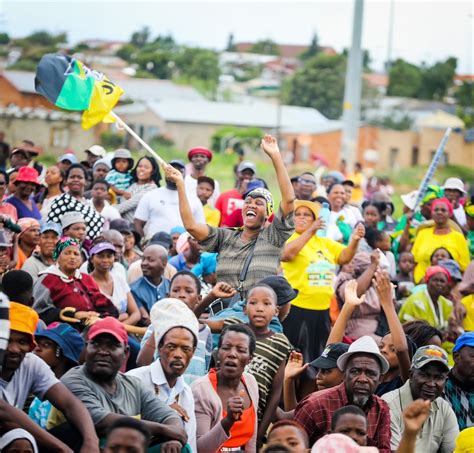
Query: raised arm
200, 231
383, 287
292, 248
348, 253
365, 279
351, 301
270, 147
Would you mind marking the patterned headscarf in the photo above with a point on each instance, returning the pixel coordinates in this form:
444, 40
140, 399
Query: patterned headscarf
432, 193
260, 192
62, 244
26, 223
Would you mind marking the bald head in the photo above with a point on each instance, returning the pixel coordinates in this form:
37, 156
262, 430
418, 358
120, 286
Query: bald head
154, 260
157, 250
116, 239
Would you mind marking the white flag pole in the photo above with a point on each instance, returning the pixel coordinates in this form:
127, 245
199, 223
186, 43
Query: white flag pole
123, 124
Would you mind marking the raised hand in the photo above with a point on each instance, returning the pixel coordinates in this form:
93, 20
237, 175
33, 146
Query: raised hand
295, 365
172, 173
383, 286
359, 232
350, 294
269, 145
375, 258
222, 290
235, 407
416, 414
318, 224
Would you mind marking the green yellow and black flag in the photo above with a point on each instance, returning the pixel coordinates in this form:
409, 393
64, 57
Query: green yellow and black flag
69, 84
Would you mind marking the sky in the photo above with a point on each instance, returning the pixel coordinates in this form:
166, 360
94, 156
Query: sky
426, 31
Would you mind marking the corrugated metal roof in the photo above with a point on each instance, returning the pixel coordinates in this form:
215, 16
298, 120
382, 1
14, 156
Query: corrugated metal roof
258, 114
22, 80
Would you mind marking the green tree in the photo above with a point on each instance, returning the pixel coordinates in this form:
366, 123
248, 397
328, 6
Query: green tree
237, 138
4, 38
437, 79
405, 79
157, 63
319, 84
265, 47
313, 48
230, 44
465, 94
140, 37
127, 52
198, 63
165, 43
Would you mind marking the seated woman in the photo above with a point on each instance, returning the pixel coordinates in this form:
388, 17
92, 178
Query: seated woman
442, 232
226, 399
255, 247
62, 285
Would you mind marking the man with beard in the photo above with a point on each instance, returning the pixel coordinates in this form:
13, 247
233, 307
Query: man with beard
459, 388
362, 366
428, 375
199, 158
50, 232
159, 208
176, 331
110, 395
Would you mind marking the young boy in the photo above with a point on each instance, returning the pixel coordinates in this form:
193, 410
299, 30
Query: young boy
290, 434
205, 189
100, 189
351, 421
272, 350
120, 177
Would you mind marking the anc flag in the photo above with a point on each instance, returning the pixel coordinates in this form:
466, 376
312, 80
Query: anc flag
69, 84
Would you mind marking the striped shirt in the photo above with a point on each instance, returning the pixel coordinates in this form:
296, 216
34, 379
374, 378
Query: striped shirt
269, 353
233, 252
119, 180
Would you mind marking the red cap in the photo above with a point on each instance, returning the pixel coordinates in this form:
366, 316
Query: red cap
111, 326
200, 150
27, 174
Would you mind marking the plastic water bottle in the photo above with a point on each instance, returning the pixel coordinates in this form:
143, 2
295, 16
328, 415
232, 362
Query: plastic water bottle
324, 213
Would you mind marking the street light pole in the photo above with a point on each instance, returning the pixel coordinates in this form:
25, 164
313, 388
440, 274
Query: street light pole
352, 91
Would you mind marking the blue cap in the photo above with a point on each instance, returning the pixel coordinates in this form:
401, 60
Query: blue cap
67, 338
254, 184
177, 230
466, 339
51, 226
177, 163
70, 157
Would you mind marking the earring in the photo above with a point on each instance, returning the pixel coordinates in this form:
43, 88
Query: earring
58, 352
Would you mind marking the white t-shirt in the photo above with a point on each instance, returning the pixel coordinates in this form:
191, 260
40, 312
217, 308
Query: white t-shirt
159, 208
120, 293
460, 215
33, 376
191, 187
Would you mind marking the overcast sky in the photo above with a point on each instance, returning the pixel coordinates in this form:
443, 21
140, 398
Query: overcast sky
423, 30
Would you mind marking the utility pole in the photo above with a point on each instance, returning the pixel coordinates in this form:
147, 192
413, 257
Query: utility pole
388, 64
352, 91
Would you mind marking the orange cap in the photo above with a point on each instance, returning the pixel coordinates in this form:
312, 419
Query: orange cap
23, 319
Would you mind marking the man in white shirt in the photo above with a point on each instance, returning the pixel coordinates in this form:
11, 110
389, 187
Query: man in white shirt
158, 209
199, 158
176, 330
454, 191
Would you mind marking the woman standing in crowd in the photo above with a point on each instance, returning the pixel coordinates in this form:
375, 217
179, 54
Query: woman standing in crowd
309, 263
54, 180
6, 209
102, 257
443, 233
260, 245
25, 183
226, 399
62, 285
73, 201
146, 176
27, 240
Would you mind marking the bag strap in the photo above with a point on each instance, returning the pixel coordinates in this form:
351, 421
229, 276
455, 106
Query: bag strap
245, 268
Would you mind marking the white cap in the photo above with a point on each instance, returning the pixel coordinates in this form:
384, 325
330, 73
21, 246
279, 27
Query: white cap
97, 150
340, 443
365, 345
168, 313
409, 199
454, 184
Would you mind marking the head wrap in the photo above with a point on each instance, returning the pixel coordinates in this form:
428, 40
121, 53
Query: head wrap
17, 434
64, 243
432, 270
266, 195
432, 193
26, 223
444, 201
469, 209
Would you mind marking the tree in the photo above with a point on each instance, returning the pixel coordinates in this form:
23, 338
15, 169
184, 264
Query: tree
230, 44
165, 43
127, 52
4, 38
313, 48
405, 79
437, 79
157, 63
265, 47
198, 63
141, 37
465, 95
319, 84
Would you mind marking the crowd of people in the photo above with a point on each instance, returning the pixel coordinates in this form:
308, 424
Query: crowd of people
142, 309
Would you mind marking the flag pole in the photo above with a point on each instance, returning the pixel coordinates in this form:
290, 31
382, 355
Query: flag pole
432, 168
123, 124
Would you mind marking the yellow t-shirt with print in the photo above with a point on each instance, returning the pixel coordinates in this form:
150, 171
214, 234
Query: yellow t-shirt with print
312, 272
